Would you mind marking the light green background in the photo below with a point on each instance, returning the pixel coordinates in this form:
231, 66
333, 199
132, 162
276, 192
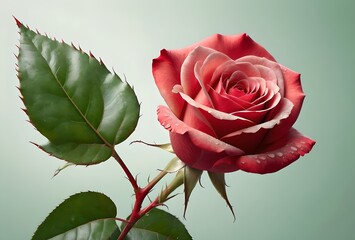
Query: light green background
312, 199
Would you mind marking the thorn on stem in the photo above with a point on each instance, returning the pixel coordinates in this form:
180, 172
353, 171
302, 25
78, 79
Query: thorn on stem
91, 55
18, 23
73, 46
35, 144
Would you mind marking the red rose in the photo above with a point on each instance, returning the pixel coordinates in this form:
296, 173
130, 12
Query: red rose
231, 106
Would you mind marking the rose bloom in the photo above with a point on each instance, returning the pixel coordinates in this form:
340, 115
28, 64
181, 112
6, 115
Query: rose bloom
231, 106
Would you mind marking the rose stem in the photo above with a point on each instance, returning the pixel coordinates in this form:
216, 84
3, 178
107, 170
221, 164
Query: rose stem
141, 194
128, 173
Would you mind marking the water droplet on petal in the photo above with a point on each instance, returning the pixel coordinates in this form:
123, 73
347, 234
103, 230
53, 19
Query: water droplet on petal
280, 154
271, 155
298, 145
258, 161
293, 148
167, 125
262, 157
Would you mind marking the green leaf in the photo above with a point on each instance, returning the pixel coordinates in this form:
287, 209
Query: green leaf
158, 225
73, 100
87, 215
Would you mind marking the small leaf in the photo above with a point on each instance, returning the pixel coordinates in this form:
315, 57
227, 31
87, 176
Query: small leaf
165, 146
73, 100
62, 168
219, 182
191, 177
158, 225
87, 215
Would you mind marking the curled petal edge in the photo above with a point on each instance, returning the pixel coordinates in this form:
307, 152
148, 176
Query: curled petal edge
294, 146
200, 139
283, 113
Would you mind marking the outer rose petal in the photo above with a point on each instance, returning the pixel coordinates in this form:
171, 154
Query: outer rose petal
166, 71
294, 146
167, 67
235, 46
195, 148
294, 93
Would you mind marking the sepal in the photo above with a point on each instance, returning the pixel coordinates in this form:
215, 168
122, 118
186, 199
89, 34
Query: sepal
191, 177
174, 165
219, 182
165, 146
175, 183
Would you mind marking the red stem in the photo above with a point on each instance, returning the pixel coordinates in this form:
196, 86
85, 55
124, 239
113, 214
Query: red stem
141, 194
137, 213
129, 175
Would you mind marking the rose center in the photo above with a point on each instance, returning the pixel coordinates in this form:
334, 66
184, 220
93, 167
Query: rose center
237, 87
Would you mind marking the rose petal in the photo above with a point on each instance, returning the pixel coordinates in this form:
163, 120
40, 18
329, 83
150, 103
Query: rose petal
268, 94
224, 71
274, 66
295, 145
195, 119
282, 111
215, 113
267, 73
268, 161
236, 46
220, 92
210, 64
189, 82
224, 103
166, 71
202, 96
195, 148
293, 92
